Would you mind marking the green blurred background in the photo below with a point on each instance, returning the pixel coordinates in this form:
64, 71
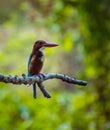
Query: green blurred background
82, 29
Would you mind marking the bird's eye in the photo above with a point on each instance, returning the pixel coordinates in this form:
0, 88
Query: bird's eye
41, 43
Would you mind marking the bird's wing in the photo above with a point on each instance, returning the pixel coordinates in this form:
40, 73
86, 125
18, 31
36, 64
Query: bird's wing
29, 60
29, 74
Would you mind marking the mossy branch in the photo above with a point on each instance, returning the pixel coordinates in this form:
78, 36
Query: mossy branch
39, 79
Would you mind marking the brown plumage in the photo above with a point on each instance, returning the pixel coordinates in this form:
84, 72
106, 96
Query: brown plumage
36, 59
36, 62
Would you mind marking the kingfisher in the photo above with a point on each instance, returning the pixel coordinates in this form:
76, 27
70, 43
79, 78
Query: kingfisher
36, 59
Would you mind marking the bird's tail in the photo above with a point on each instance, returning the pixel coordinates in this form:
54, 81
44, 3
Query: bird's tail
34, 90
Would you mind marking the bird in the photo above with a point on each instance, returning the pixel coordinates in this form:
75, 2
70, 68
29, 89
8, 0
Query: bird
36, 59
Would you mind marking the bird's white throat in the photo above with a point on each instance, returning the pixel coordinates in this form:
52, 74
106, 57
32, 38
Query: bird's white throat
42, 49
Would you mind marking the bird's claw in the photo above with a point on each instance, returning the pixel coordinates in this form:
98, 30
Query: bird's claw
41, 76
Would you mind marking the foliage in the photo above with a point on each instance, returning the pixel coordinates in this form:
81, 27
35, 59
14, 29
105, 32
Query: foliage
24, 112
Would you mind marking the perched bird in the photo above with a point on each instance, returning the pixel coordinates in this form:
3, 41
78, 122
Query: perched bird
36, 59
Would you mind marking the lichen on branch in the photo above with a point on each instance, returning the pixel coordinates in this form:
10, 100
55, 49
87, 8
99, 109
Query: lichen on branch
39, 79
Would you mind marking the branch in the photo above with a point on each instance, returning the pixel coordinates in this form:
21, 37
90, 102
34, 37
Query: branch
39, 79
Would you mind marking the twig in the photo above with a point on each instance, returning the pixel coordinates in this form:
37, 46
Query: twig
43, 90
39, 79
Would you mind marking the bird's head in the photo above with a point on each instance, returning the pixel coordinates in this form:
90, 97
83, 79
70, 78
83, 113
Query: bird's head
40, 44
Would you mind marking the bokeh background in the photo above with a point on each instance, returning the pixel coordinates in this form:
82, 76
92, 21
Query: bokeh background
82, 30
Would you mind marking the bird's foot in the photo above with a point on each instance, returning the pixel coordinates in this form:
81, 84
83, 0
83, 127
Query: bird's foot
40, 75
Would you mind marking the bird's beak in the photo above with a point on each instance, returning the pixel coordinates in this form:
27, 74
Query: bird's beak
50, 44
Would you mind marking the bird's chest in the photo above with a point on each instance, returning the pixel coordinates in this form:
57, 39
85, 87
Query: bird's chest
41, 55
36, 62
38, 58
